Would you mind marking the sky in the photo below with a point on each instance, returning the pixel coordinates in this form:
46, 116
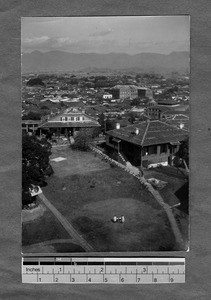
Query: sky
129, 35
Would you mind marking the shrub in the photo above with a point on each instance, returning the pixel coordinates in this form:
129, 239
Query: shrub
82, 140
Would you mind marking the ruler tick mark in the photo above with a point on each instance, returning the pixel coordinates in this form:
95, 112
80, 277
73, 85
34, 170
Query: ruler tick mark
136, 273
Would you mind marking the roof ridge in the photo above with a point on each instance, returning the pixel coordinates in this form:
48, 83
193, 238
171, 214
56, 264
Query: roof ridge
145, 133
132, 125
171, 125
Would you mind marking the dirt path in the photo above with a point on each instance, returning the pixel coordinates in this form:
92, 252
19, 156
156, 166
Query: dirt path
68, 227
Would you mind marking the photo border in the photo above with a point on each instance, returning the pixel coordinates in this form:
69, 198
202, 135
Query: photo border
199, 256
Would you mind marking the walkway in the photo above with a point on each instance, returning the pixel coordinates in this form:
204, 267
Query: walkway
68, 227
136, 173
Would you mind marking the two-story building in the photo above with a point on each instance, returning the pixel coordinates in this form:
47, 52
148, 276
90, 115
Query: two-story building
154, 112
71, 120
148, 143
129, 92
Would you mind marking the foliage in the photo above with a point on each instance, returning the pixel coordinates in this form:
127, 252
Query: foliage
132, 118
183, 151
110, 124
89, 84
35, 81
106, 123
100, 77
135, 102
182, 156
63, 104
101, 121
32, 116
82, 140
44, 107
102, 84
95, 132
35, 164
74, 80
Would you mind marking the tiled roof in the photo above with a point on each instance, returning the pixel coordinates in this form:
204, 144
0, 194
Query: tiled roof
160, 107
126, 87
69, 124
177, 112
150, 133
177, 122
181, 117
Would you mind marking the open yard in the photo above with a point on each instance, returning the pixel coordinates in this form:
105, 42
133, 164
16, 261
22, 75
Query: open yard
88, 192
45, 234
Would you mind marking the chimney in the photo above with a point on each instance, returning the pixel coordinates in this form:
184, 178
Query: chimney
117, 126
136, 131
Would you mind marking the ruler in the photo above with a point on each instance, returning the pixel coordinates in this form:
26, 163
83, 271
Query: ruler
120, 270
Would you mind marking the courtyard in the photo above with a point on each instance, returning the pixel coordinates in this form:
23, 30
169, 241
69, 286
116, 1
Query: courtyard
88, 192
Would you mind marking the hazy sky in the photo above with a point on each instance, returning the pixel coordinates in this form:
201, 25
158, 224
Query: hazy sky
106, 34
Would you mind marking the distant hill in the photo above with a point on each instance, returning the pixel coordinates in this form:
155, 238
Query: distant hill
55, 61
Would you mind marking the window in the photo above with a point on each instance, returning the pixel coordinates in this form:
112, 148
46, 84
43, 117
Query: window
153, 149
72, 118
163, 148
110, 140
174, 149
65, 118
145, 151
77, 118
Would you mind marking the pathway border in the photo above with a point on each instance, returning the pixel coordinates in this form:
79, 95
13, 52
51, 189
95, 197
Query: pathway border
68, 227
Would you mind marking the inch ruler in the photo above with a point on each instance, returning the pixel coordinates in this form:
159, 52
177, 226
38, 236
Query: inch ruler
145, 270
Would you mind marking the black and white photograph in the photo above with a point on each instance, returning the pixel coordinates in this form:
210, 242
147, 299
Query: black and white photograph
105, 134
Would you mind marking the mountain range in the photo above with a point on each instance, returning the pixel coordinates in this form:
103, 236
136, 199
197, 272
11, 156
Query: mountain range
59, 61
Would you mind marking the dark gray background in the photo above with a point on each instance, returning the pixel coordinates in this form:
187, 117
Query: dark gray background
198, 269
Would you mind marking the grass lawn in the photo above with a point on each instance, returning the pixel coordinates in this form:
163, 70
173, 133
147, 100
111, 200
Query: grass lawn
77, 162
89, 192
44, 229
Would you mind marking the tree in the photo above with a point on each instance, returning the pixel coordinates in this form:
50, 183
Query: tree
82, 140
110, 124
183, 151
102, 120
32, 116
183, 154
44, 107
35, 165
95, 132
136, 102
132, 118
102, 84
35, 81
